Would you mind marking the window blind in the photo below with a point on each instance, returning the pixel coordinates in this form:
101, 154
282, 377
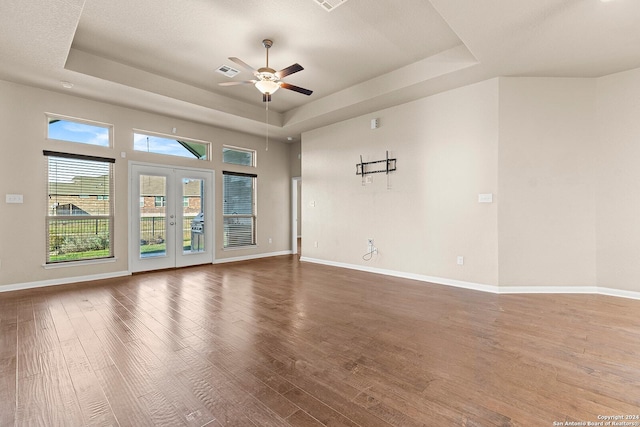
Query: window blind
79, 207
239, 209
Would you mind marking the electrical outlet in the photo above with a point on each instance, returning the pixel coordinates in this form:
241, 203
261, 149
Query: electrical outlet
460, 260
315, 244
369, 245
270, 240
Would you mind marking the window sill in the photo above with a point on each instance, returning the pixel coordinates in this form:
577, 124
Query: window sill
239, 248
79, 263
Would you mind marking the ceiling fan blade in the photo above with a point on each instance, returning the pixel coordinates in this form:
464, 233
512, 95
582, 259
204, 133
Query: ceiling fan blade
244, 65
295, 88
246, 82
289, 70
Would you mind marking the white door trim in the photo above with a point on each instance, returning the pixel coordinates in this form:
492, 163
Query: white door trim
209, 201
294, 214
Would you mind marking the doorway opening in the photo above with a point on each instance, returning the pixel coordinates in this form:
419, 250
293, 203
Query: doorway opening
296, 215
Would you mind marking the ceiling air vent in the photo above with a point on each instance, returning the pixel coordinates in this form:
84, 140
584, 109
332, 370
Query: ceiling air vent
227, 71
329, 5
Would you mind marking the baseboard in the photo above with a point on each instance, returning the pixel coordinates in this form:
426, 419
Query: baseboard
393, 273
548, 290
619, 293
62, 281
250, 257
484, 287
419, 277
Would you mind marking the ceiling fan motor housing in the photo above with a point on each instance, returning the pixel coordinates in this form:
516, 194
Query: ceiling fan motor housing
266, 73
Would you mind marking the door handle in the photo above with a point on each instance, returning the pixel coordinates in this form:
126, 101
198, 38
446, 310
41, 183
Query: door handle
171, 223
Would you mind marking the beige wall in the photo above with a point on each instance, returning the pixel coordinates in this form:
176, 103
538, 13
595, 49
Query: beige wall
22, 171
295, 153
618, 181
559, 154
447, 153
546, 193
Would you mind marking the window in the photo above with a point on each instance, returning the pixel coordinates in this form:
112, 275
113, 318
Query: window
239, 209
79, 210
238, 156
170, 146
160, 201
80, 131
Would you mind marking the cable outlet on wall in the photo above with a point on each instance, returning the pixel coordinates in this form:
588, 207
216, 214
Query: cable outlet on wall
460, 260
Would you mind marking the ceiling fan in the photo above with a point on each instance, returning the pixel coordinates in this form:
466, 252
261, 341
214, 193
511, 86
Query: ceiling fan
267, 79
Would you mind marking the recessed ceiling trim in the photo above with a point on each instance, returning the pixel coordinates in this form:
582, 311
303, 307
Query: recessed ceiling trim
330, 5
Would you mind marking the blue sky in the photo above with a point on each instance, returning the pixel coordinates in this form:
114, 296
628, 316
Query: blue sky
79, 132
97, 135
159, 145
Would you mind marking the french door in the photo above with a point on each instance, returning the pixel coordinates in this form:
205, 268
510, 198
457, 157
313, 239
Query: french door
171, 217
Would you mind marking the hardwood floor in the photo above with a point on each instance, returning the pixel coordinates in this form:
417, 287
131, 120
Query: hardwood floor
276, 342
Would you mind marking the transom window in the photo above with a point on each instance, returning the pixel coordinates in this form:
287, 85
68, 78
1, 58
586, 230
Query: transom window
171, 146
77, 130
238, 156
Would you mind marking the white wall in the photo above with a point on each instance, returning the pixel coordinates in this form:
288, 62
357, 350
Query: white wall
618, 181
447, 153
22, 171
546, 216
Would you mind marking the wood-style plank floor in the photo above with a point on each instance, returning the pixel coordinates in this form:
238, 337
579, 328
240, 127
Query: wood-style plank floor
276, 342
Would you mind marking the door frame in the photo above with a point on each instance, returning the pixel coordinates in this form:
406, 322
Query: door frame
294, 214
210, 222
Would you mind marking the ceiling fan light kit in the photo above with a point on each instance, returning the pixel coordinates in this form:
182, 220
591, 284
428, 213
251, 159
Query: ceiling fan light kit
267, 85
268, 80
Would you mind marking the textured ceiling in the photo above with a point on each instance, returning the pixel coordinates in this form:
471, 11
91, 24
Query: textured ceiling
161, 55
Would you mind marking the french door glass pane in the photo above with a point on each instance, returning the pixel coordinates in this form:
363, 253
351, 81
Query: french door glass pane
192, 215
152, 216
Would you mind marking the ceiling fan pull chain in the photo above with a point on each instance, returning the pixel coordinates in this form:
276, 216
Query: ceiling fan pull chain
267, 124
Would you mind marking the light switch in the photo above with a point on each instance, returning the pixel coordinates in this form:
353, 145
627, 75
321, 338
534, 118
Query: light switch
14, 198
485, 198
